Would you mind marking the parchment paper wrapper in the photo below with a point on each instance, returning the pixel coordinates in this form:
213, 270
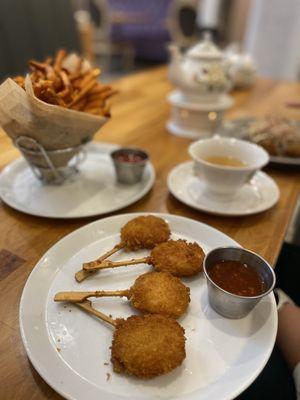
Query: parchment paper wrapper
54, 127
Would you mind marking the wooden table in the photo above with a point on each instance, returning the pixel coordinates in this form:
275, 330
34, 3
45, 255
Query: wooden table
139, 116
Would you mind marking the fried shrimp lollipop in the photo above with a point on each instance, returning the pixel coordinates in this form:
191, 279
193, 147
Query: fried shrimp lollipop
144, 346
160, 293
143, 232
178, 257
147, 346
153, 292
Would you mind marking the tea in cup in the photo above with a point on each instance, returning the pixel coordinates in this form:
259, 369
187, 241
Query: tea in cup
226, 164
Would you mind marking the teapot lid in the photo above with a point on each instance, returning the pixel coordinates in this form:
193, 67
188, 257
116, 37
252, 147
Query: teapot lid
205, 49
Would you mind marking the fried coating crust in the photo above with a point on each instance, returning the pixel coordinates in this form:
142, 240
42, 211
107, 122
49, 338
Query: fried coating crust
178, 257
147, 346
144, 232
160, 293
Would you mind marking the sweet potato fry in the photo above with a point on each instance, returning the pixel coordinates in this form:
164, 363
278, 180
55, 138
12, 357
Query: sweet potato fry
96, 111
83, 92
80, 105
65, 79
20, 80
50, 73
105, 95
103, 111
60, 55
79, 66
90, 77
37, 75
74, 77
94, 104
33, 65
48, 95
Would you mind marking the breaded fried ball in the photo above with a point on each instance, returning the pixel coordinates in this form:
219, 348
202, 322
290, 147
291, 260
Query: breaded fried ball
147, 346
144, 232
160, 293
178, 257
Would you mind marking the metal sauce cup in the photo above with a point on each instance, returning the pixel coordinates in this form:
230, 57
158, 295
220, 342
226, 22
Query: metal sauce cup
129, 172
225, 303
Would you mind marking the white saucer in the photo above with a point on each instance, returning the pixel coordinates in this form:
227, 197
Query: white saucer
260, 195
93, 191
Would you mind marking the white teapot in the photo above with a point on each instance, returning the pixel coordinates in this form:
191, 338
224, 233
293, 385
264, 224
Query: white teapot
200, 73
240, 66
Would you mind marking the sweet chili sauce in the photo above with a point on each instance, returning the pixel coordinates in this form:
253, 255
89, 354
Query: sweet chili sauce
237, 278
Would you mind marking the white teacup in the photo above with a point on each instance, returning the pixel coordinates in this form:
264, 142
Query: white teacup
221, 179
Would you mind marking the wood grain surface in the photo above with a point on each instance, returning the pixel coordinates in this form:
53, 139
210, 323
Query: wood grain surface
140, 113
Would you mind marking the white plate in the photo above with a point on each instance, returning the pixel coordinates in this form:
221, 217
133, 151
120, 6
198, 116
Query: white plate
260, 195
288, 161
94, 191
223, 356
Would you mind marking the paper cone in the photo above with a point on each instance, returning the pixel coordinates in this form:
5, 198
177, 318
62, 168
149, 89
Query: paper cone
53, 127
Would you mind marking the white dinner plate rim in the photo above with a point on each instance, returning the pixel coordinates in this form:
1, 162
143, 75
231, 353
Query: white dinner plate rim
284, 160
34, 359
207, 210
16, 164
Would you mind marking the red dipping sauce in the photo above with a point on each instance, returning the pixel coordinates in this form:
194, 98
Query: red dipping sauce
129, 157
237, 278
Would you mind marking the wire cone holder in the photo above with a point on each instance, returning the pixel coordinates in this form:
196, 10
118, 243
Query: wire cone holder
50, 166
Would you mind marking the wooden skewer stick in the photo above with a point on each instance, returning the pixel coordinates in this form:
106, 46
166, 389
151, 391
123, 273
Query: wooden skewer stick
110, 264
82, 274
116, 248
87, 306
79, 297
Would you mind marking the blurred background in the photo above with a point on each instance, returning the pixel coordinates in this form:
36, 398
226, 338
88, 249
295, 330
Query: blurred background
123, 36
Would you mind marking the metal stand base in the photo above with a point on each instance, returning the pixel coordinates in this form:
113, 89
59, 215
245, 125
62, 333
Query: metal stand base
42, 162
